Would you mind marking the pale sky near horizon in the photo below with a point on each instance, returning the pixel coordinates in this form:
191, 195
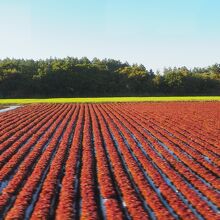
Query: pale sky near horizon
156, 33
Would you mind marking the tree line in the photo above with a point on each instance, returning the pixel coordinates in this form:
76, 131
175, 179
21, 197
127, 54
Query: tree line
73, 77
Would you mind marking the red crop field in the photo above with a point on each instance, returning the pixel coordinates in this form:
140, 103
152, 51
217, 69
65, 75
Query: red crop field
111, 161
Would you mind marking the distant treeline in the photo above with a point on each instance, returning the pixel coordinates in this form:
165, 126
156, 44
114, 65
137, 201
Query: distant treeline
72, 77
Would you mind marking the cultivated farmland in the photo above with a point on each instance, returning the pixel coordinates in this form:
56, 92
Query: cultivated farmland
110, 161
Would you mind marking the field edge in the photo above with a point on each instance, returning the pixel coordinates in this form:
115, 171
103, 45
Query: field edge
110, 99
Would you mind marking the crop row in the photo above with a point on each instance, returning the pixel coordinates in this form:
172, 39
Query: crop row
110, 161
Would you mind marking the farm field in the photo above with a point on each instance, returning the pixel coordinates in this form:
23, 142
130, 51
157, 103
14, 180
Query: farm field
111, 161
110, 99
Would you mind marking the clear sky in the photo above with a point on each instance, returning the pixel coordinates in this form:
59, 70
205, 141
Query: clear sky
156, 33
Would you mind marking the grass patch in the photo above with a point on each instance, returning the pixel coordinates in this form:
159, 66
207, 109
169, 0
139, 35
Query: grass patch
112, 99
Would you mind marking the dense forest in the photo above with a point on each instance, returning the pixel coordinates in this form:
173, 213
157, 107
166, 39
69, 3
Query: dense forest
72, 77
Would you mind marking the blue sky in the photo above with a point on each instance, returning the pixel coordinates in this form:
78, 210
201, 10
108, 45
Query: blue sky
156, 33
